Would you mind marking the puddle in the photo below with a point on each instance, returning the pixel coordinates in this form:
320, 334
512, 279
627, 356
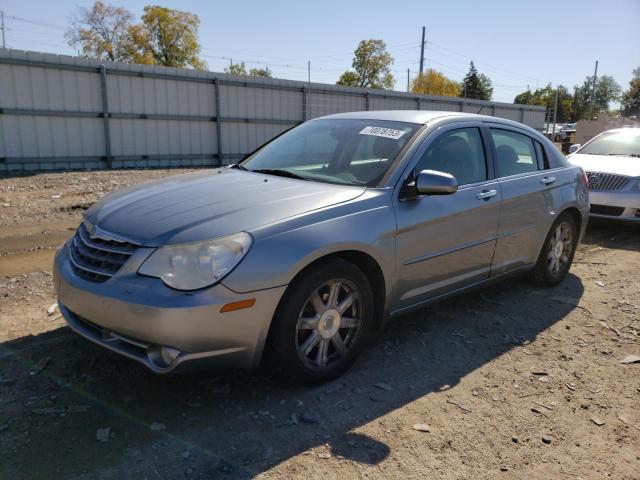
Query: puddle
26, 262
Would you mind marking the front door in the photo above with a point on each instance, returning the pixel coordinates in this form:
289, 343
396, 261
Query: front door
446, 242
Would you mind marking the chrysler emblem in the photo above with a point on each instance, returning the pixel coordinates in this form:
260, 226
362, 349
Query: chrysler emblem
594, 180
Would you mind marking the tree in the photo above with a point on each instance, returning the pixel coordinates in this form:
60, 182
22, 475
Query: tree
241, 69
236, 69
171, 37
260, 72
546, 97
435, 83
589, 101
371, 63
631, 98
476, 85
103, 32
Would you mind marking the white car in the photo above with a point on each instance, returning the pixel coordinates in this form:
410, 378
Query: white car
611, 162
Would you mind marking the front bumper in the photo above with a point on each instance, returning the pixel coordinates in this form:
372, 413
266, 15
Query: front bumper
141, 318
623, 206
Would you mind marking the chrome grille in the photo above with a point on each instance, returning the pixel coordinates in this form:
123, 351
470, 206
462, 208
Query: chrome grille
97, 259
606, 181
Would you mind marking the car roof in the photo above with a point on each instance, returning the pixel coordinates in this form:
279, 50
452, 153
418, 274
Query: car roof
423, 117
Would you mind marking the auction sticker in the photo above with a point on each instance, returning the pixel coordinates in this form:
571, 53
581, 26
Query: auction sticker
382, 132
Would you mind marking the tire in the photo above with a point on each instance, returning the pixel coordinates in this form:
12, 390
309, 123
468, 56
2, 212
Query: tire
309, 320
552, 265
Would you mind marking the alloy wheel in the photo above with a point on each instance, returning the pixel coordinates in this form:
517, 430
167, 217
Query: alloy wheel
560, 247
329, 324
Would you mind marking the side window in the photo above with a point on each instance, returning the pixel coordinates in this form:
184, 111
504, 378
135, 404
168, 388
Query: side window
458, 152
514, 153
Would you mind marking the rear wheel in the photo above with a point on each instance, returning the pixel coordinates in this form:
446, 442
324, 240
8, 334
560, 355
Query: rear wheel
557, 252
322, 323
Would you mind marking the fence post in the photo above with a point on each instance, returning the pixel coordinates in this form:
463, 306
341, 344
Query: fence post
493, 110
366, 101
105, 115
305, 101
521, 115
418, 106
216, 94
461, 106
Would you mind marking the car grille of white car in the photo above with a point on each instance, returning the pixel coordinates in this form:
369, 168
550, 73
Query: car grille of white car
97, 259
606, 181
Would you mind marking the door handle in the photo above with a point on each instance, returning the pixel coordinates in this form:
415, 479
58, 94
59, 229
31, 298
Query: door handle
548, 180
486, 194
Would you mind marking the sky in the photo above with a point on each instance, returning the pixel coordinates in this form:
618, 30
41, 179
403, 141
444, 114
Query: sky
516, 43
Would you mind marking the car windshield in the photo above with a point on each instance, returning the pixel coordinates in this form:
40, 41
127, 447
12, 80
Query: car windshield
343, 151
624, 143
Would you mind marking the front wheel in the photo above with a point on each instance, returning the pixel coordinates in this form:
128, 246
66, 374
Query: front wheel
557, 252
322, 323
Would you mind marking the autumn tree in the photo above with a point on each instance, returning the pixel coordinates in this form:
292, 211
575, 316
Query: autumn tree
172, 37
102, 32
435, 83
631, 98
371, 67
476, 85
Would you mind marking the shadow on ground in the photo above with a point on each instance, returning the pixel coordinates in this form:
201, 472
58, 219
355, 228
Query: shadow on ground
57, 389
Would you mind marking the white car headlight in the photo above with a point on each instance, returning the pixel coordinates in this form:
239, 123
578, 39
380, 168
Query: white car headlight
196, 265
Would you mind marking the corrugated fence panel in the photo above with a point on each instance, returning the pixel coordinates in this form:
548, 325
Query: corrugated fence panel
52, 113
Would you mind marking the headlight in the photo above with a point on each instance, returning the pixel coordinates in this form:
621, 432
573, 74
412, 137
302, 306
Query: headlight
196, 265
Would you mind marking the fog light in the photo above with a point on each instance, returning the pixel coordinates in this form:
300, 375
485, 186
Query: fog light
162, 356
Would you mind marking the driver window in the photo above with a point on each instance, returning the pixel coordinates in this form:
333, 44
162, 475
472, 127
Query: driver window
458, 152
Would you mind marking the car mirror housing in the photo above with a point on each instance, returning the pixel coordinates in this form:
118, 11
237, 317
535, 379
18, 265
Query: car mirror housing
574, 147
432, 182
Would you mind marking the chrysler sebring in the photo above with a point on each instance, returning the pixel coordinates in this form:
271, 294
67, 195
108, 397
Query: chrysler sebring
297, 254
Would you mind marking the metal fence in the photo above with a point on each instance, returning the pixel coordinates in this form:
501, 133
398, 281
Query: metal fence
61, 112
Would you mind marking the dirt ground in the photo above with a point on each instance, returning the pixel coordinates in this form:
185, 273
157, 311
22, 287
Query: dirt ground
513, 381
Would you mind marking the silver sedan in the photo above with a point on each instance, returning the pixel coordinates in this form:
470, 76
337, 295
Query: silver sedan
296, 255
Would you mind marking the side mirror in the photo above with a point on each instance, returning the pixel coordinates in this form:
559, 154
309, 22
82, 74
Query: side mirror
574, 147
432, 182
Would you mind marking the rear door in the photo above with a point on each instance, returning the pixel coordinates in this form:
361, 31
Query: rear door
527, 203
446, 242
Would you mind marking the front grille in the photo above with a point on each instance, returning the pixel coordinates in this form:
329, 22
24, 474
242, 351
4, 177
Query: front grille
97, 259
607, 210
606, 181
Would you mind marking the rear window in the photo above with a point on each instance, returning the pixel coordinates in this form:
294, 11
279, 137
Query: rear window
515, 153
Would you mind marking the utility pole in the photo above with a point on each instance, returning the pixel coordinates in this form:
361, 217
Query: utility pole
422, 50
4, 45
309, 73
408, 79
593, 93
555, 117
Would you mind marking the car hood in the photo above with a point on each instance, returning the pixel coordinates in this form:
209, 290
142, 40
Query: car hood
619, 165
208, 204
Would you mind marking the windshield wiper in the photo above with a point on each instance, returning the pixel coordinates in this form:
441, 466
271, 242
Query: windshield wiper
624, 154
279, 172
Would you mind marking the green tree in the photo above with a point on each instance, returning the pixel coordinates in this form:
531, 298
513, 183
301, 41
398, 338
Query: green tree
546, 97
172, 37
435, 83
260, 72
371, 63
631, 98
476, 85
236, 69
103, 32
588, 101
